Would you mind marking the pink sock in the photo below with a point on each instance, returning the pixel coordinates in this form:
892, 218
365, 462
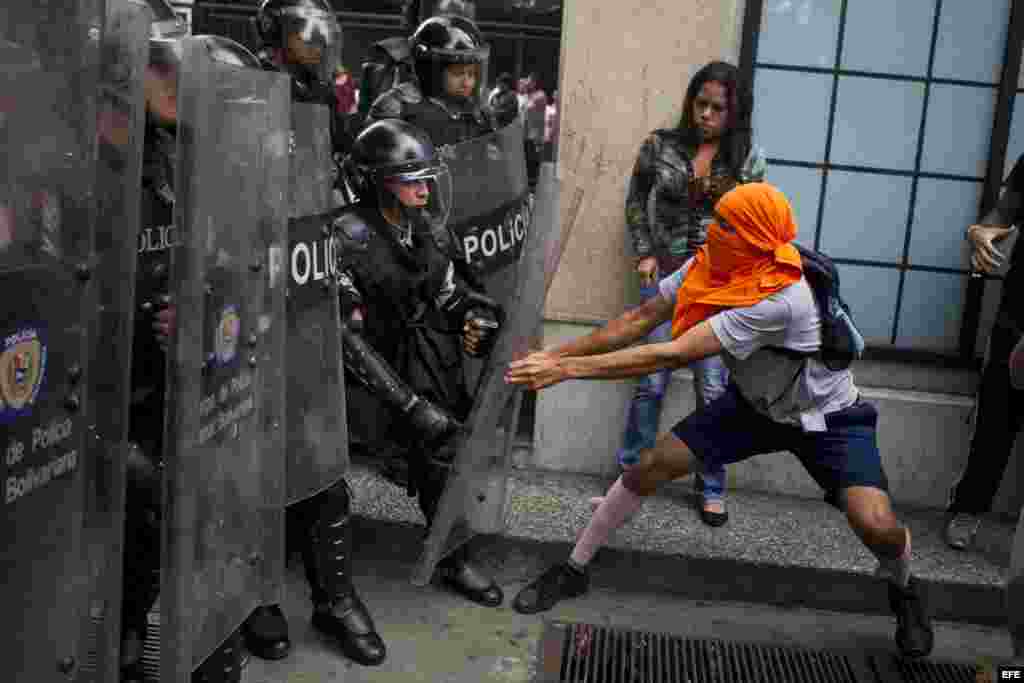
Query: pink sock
896, 569
618, 506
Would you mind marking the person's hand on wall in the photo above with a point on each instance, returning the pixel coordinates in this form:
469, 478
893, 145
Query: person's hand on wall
985, 257
648, 269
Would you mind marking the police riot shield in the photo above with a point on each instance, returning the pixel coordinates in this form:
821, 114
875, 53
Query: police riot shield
49, 58
491, 206
475, 494
120, 118
223, 536
317, 444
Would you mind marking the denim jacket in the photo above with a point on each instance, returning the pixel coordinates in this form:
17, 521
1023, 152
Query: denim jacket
667, 215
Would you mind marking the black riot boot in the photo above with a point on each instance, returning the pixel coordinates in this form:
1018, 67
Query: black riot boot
456, 571
225, 664
266, 633
338, 612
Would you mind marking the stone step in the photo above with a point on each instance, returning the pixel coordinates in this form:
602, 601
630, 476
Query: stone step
775, 549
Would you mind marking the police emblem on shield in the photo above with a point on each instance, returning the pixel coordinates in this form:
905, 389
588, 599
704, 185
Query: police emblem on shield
22, 367
226, 340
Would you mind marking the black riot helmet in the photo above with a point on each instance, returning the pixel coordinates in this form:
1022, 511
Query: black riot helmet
390, 153
304, 36
441, 42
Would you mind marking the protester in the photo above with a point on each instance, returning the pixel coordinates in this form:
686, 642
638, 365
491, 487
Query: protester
742, 295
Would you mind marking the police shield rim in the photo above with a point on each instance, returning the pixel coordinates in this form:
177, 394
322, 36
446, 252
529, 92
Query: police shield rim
223, 512
474, 500
121, 113
49, 57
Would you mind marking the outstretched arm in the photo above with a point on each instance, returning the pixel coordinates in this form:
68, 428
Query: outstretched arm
630, 327
542, 370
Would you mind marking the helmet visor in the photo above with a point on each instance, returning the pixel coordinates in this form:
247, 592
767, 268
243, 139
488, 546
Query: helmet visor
424, 195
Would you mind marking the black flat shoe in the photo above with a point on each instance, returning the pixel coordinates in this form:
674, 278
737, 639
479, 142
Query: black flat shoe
350, 625
470, 582
714, 519
266, 633
557, 583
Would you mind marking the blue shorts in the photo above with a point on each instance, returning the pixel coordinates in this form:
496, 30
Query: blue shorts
730, 430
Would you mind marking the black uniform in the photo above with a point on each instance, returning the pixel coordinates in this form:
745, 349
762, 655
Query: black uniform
447, 120
401, 294
438, 43
312, 91
401, 289
388, 65
504, 104
146, 430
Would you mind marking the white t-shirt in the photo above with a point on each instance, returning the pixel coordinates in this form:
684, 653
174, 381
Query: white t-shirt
788, 390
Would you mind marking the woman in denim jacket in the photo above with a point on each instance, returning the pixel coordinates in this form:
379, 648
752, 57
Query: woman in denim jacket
679, 175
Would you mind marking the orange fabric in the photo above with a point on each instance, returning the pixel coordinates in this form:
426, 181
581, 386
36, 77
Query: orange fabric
735, 269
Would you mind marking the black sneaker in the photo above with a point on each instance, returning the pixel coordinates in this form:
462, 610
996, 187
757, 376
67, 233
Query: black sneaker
914, 634
557, 583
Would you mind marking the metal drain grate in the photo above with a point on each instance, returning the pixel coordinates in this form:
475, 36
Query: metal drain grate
924, 671
87, 672
594, 654
151, 646
583, 653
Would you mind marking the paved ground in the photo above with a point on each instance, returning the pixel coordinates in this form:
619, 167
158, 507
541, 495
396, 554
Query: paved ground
775, 550
437, 637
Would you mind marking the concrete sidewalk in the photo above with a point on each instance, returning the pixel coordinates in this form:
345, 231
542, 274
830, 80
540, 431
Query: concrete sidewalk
434, 636
777, 550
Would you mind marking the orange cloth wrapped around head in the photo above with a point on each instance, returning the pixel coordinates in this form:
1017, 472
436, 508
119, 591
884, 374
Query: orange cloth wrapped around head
744, 261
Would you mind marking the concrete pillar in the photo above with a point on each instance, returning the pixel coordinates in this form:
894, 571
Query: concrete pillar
625, 67
624, 70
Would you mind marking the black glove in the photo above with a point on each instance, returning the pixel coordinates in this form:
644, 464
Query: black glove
488, 325
433, 425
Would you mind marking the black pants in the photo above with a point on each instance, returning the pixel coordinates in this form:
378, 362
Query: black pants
141, 580
998, 418
319, 529
533, 154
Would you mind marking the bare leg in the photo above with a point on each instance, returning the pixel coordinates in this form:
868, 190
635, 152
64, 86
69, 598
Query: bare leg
871, 517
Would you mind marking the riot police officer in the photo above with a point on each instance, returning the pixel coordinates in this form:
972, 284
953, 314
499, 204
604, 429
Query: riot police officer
154, 323
302, 39
450, 60
393, 274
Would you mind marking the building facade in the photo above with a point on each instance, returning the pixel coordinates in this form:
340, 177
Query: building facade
890, 128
